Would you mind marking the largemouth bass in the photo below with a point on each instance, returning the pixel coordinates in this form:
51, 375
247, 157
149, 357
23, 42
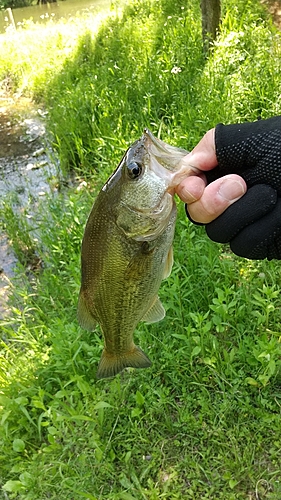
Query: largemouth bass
127, 250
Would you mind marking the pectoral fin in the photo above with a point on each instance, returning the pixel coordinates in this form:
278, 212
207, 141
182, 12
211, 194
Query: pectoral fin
85, 319
155, 313
111, 364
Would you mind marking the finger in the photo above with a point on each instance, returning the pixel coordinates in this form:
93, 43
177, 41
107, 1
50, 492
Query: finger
216, 198
191, 188
203, 156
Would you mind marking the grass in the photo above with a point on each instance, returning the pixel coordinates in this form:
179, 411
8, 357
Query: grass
204, 421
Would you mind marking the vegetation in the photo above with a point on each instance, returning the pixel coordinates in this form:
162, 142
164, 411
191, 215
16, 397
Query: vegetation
4, 4
204, 421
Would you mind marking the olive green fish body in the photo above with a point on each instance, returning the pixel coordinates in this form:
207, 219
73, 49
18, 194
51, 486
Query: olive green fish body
126, 252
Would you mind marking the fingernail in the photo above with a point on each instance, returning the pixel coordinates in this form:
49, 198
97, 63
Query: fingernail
231, 190
186, 195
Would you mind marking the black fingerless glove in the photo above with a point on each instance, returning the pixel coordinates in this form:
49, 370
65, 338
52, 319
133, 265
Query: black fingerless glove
252, 225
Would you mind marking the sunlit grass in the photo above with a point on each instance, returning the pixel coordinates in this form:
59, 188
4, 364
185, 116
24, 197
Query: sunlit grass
36, 52
204, 420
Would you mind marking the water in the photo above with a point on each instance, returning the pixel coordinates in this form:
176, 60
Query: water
25, 164
25, 168
62, 9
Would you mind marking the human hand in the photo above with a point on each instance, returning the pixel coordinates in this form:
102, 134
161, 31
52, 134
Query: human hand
207, 201
252, 225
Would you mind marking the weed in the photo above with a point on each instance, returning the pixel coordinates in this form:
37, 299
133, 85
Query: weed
18, 230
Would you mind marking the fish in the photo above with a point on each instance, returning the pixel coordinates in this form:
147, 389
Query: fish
127, 249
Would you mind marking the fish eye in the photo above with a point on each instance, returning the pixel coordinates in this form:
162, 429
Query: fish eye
134, 170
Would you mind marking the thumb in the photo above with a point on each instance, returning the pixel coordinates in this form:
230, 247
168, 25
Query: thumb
216, 198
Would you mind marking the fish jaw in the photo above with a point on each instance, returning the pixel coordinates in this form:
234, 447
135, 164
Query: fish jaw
168, 162
168, 156
112, 364
143, 226
146, 203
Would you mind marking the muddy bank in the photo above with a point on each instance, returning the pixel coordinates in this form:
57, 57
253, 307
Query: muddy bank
26, 167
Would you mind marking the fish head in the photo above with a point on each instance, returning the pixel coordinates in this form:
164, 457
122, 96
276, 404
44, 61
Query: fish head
146, 179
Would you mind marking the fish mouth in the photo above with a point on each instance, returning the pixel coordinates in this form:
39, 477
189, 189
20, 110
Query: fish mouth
163, 160
168, 156
158, 217
165, 205
167, 161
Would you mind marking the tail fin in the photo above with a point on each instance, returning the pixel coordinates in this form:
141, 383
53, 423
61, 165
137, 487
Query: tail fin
110, 365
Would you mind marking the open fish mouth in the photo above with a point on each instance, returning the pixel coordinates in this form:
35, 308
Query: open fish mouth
167, 156
167, 161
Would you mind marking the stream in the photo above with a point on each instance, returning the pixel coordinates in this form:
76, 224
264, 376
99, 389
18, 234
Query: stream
25, 167
26, 162
41, 14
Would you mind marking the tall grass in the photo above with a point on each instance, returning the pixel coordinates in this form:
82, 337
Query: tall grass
204, 421
145, 67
